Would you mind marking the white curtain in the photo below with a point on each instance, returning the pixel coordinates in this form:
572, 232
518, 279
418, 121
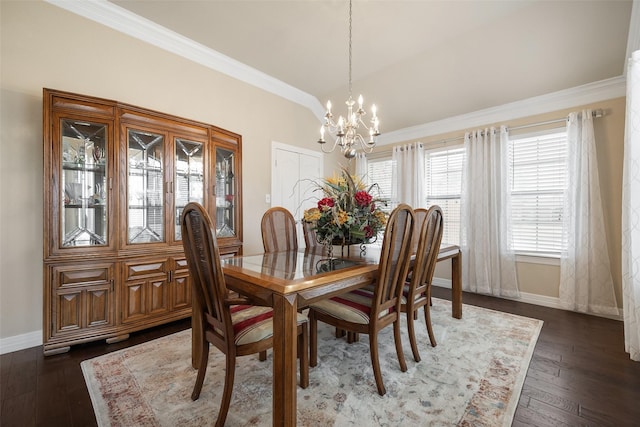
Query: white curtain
489, 265
586, 284
361, 166
407, 177
631, 213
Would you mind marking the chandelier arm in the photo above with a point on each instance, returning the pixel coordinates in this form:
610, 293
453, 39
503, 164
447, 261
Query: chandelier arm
368, 148
335, 144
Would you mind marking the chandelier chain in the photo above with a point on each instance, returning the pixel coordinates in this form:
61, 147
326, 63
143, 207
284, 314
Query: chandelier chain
350, 48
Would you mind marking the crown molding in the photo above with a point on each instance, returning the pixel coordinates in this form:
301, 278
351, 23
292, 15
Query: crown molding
580, 95
126, 22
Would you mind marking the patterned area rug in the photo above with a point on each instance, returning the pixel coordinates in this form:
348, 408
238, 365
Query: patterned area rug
473, 376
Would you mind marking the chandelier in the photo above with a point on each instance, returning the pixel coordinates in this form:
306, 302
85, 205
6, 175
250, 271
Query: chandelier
346, 130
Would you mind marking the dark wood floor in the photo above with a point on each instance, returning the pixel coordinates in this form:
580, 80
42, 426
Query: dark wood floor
579, 375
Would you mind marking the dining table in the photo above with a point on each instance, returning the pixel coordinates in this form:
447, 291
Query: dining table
289, 281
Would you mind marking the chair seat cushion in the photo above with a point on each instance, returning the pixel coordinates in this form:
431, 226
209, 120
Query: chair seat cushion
254, 323
354, 306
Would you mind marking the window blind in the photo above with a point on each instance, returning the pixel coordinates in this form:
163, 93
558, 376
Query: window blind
443, 176
537, 179
379, 172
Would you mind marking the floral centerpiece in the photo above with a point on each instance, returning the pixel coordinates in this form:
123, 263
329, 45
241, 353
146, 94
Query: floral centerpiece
348, 213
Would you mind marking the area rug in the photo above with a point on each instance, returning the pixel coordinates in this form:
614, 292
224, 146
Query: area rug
474, 376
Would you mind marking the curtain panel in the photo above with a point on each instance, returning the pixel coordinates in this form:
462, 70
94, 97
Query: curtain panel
631, 213
489, 265
586, 284
407, 178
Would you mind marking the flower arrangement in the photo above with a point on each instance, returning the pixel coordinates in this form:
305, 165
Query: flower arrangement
348, 213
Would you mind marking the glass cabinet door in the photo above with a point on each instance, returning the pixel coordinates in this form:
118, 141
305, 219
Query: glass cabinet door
145, 187
188, 178
83, 184
225, 192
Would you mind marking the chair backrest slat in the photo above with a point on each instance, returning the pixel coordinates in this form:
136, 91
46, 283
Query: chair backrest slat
420, 215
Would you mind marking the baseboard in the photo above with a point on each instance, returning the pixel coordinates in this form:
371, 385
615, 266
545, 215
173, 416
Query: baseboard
20, 342
528, 298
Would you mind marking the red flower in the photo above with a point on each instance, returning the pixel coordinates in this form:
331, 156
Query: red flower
368, 231
362, 198
326, 203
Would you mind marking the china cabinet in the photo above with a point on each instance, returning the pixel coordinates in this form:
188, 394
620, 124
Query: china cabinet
116, 179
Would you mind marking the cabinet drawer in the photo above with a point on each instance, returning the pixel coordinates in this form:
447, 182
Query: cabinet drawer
181, 265
134, 270
73, 276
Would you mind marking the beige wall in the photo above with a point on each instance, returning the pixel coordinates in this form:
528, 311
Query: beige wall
45, 46
544, 279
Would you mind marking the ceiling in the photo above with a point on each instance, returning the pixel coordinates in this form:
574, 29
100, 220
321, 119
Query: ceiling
418, 61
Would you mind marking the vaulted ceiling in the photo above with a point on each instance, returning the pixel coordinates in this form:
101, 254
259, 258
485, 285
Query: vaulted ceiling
418, 61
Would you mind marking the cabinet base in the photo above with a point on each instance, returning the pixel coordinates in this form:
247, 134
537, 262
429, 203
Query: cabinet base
55, 351
116, 339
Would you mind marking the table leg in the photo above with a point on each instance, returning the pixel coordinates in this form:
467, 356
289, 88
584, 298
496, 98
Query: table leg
285, 338
456, 285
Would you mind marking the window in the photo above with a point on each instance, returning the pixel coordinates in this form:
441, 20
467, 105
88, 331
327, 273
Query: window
443, 185
537, 167
379, 172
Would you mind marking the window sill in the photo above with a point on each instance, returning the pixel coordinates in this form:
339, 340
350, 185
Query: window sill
538, 259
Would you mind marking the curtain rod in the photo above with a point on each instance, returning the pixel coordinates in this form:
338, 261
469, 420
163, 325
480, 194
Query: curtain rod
595, 113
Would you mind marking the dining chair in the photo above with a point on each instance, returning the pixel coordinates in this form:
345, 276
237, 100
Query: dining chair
417, 288
368, 311
310, 238
228, 321
278, 230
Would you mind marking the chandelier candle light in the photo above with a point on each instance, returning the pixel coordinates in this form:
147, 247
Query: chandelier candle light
346, 130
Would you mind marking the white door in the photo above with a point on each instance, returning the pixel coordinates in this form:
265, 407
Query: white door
293, 173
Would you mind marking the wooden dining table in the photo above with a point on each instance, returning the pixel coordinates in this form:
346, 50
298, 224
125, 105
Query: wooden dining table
291, 280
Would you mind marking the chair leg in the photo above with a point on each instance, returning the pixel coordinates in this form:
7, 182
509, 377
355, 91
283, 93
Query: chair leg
340, 333
228, 390
375, 363
262, 356
412, 333
313, 339
427, 319
202, 370
398, 340
303, 354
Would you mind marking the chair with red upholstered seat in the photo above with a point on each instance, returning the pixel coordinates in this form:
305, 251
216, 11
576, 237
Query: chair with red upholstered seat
231, 323
367, 311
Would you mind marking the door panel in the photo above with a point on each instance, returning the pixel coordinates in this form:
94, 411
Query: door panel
292, 182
